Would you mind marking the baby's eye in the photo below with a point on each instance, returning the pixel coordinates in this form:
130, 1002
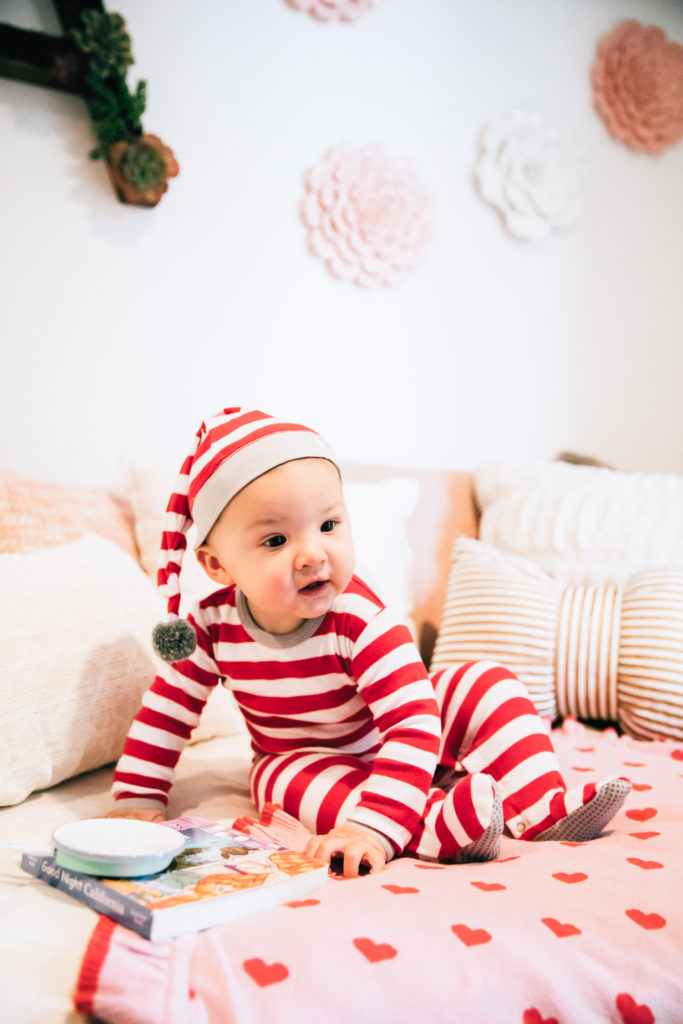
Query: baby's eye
328, 526
275, 542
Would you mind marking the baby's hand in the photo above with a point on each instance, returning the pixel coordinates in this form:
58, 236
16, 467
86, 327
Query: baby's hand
139, 813
354, 846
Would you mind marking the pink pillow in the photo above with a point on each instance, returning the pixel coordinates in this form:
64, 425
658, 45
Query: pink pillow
35, 515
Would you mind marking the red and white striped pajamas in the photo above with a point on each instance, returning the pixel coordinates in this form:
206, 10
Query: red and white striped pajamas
347, 728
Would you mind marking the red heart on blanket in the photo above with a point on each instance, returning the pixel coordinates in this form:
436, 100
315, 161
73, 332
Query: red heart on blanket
646, 865
644, 835
634, 764
532, 1016
400, 889
265, 974
577, 768
585, 750
570, 879
640, 787
648, 921
641, 813
374, 951
561, 930
677, 755
430, 867
631, 1013
488, 886
471, 936
303, 903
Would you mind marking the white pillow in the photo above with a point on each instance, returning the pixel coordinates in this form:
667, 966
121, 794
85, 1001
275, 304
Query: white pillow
379, 513
581, 522
76, 656
76, 659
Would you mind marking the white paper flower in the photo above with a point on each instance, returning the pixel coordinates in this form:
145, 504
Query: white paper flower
334, 10
531, 172
368, 216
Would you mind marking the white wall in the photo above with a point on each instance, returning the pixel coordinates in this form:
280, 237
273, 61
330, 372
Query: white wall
122, 328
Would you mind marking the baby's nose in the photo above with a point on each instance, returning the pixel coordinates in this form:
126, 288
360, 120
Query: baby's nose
310, 553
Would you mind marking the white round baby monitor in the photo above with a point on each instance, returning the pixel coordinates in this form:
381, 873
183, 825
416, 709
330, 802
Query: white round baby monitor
116, 847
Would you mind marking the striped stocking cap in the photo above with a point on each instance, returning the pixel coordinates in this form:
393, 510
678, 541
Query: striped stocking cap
233, 448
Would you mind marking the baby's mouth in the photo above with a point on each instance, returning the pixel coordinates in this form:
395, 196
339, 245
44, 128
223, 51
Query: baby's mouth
314, 587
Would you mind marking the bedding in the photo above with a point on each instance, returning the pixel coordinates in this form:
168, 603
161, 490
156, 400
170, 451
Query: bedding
44, 933
549, 932
571, 932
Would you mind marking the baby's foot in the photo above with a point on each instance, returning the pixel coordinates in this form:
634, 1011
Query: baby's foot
472, 806
462, 824
487, 846
587, 820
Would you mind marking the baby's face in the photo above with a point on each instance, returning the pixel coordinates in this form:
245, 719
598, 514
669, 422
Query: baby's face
285, 541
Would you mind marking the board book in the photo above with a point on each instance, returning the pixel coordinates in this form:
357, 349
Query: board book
220, 874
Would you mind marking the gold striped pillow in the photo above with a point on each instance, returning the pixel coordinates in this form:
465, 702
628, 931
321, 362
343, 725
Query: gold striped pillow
592, 651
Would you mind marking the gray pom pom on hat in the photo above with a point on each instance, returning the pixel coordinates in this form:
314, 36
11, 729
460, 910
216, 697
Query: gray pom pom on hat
174, 640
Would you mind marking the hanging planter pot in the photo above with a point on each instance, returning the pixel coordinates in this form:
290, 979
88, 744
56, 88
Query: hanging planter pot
140, 169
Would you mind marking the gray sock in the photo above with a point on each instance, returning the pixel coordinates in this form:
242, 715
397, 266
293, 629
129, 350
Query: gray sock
487, 846
588, 821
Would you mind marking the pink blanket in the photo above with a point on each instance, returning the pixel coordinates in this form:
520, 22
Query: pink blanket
550, 933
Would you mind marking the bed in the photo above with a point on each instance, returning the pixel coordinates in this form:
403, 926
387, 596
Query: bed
518, 563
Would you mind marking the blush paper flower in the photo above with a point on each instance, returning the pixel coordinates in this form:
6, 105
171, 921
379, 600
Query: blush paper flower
368, 216
334, 10
531, 172
638, 86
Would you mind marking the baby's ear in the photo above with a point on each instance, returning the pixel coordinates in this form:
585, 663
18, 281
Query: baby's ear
212, 566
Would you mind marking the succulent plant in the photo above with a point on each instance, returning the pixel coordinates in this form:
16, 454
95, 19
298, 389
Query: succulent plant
116, 112
142, 166
104, 42
140, 169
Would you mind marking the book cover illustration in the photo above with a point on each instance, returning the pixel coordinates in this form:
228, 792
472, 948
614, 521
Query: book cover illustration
220, 874
217, 860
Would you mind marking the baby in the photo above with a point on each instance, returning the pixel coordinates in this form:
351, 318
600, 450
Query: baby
349, 733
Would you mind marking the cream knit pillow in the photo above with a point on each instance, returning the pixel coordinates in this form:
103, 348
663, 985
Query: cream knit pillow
582, 523
76, 658
606, 652
75, 655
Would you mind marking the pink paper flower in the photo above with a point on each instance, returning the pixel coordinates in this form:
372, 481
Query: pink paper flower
638, 86
334, 10
368, 216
